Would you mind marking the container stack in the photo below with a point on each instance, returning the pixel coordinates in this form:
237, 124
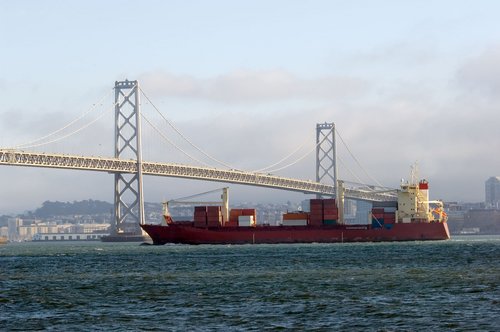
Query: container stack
330, 212
235, 214
377, 217
295, 219
200, 216
214, 216
384, 214
316, 214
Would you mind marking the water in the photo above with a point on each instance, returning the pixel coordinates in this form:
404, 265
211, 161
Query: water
449, 285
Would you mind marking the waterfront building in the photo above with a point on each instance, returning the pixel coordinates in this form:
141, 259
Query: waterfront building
492, 191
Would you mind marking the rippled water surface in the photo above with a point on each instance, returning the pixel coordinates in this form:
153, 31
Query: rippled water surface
449, 285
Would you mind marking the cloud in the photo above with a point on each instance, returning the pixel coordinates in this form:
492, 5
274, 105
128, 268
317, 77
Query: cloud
400, 53
481, 74
252, 86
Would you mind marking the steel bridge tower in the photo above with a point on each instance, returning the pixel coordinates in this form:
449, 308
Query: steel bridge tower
128, 197
326, 155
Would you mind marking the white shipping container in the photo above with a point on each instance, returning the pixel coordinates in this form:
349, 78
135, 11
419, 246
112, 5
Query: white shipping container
296, 222
246, 221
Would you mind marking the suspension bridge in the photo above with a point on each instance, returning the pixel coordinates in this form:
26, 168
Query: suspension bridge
128, 167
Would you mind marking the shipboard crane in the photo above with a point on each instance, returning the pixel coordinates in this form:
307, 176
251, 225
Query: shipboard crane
224, 203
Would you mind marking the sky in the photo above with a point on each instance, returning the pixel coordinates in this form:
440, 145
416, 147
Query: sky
246, 82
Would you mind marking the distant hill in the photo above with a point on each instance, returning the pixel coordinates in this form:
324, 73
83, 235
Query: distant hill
49, 208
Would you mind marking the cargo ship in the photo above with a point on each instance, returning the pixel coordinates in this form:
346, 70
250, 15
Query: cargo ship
412, 217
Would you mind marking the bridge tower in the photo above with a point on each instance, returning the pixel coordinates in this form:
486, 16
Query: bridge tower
326, 154
128, 196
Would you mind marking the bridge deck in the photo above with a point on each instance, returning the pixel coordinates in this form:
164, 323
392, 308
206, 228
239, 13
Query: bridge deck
112, 165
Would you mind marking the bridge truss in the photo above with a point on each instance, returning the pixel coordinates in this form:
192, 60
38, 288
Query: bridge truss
117, 166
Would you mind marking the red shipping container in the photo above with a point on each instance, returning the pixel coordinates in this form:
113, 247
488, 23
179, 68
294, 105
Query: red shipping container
330, 217
329, 202
330, 210
200, 208
234, 214
213, 210
378, 210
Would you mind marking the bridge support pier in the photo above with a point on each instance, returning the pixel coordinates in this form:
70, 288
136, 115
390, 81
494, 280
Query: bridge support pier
326, 155
128, 196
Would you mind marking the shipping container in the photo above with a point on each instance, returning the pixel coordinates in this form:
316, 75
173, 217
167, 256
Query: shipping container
329, 222
295, 222
330, 210
295, 216
214, 211
377, 223
330, 202
246, 221
389, 204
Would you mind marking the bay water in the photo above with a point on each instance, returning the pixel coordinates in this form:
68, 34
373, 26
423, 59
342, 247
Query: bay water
408, 286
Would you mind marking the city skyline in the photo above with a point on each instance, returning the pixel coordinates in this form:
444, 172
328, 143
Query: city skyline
247, 83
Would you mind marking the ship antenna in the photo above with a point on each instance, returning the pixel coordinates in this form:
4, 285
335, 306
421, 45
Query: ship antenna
414, 173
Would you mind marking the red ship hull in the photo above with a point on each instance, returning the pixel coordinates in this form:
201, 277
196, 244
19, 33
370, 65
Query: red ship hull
188, 234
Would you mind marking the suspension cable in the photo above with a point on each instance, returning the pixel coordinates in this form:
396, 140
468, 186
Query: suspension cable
279, 162
71, 133
172, 143
305, 155
357, 161
184, 137
349, 170
30, 143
